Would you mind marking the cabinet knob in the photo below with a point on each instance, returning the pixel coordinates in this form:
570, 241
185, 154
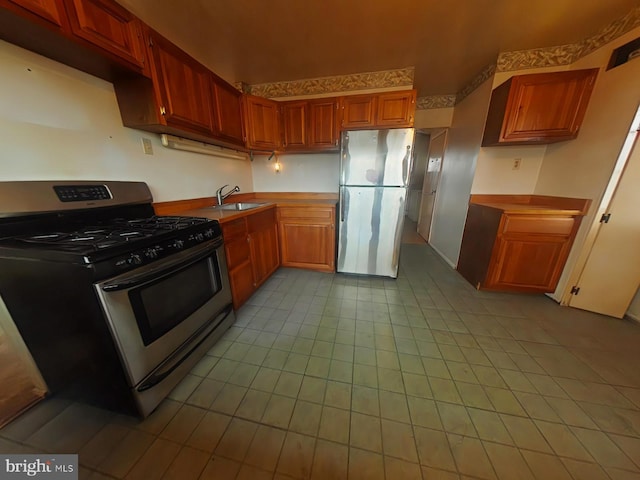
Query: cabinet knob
163, 111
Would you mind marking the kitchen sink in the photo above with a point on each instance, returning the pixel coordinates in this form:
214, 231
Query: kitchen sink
240, 206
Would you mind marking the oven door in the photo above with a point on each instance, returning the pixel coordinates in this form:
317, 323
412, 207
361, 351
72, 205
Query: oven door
164, 310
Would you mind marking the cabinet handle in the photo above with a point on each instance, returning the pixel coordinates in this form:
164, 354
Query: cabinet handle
163, 111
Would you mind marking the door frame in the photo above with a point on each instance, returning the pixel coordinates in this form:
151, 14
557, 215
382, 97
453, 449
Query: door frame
433, 136
631, 141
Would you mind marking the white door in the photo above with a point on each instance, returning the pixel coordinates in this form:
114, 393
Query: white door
611, 275
430, 184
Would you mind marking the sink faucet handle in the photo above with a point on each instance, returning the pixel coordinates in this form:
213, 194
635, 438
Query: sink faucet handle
221, 188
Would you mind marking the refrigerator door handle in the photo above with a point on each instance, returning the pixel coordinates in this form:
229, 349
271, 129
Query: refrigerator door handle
406, 166
342, 206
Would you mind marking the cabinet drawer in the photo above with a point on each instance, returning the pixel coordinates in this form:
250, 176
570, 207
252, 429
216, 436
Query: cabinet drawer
237, 252
316, 214
233, 231
538, 224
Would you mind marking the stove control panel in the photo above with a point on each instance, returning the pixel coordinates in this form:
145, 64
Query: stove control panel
82, 193
178, 242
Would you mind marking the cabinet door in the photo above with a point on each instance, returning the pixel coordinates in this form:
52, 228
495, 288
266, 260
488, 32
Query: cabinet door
242, 284
107, 25
263, 131
323, 124
307, 245
51, 11
265, 257
307, 237
528, 263
294, 125
228, 112
547, 107
396, 109
263, 238
358, 111
183, 87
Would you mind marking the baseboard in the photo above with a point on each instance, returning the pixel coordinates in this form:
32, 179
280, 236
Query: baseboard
447, 261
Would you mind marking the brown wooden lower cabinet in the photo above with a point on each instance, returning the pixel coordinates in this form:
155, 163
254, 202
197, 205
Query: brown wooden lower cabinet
263, 244
307, 237
251, 247
519, 247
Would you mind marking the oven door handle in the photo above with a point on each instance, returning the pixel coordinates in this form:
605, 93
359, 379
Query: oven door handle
131, 281
174, 361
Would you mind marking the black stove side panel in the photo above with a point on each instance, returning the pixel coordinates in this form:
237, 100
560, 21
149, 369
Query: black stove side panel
59, 317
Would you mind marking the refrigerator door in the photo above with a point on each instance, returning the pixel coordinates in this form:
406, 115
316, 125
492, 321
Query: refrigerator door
376, 157
370, 229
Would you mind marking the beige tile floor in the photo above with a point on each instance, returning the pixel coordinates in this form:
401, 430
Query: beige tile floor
334, 377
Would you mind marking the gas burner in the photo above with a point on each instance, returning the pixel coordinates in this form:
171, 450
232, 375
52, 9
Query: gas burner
46, 238
111, 233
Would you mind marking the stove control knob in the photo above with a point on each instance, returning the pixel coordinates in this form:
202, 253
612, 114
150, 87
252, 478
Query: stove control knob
178, 244
209, 233
151, 253
199, 237
134, 259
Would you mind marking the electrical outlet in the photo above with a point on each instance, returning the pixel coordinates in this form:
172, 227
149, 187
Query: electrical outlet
147, 148
516, 163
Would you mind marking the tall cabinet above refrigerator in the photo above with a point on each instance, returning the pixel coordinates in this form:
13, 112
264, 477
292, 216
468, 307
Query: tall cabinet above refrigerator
374, 175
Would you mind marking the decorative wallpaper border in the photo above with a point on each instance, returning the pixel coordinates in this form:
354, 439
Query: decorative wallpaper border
568, 54
486, 73
543, 57
435, 101
402, 77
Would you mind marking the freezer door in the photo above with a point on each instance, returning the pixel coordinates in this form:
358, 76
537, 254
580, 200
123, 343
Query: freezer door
376, 157
370, 229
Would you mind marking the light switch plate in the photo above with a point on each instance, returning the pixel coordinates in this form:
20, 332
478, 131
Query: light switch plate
147, 148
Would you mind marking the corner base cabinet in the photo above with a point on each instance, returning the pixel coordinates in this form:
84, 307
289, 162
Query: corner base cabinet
307, 237
518, 247
251, 247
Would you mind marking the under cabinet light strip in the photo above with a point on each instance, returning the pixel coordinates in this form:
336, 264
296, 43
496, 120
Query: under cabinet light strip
178, 143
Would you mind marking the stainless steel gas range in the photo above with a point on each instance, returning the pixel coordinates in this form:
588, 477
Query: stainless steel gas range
114, 303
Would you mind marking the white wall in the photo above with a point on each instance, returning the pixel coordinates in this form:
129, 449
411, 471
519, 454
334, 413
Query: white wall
458, 168
433, 118
582, 167
495, 173
60, 123
315, 172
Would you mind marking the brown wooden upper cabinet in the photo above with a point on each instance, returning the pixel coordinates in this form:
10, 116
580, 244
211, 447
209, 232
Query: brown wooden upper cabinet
324, 133
49, 11
107, 25
538, 108
310, 125
295, 117
396, 109
384, 110
262, 121
227, 112
358, 111
183, 87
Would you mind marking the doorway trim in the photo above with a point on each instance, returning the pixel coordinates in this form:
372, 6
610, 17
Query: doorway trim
631, 140
434, 136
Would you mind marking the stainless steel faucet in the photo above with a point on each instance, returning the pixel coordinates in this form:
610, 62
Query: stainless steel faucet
220, 197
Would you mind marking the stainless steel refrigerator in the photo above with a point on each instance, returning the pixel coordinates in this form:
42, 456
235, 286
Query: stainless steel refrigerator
374, 175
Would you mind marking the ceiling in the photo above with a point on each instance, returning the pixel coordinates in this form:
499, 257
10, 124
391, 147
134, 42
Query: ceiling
448, 41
